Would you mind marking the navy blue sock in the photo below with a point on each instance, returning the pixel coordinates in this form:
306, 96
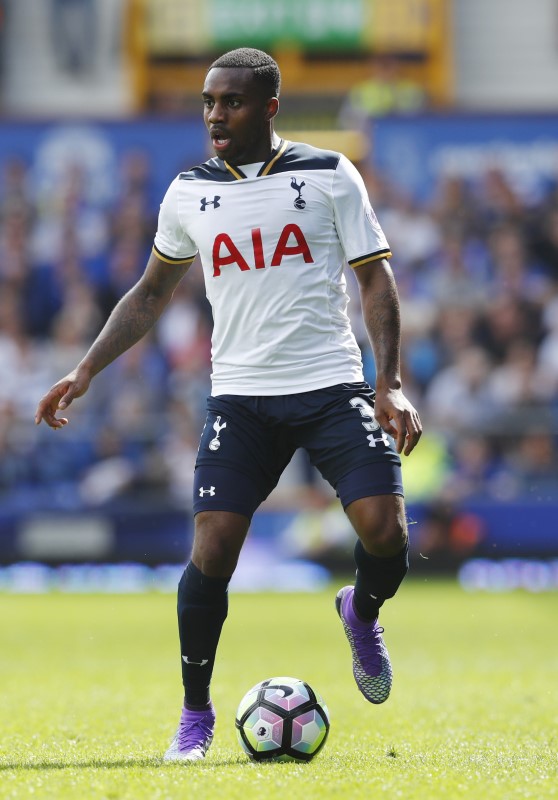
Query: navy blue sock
202, 610
377, 579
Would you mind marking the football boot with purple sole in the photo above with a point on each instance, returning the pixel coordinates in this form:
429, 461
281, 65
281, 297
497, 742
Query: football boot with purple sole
371, 664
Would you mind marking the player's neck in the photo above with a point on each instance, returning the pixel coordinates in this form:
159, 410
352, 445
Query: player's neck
273, 145
264, 154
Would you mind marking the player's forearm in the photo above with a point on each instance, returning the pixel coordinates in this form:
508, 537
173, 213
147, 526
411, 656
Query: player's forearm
382, 318
132, 317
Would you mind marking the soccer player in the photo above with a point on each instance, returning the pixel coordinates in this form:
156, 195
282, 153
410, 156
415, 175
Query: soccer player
274, 222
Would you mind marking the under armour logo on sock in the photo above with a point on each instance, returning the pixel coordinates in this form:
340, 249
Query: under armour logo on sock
201, 663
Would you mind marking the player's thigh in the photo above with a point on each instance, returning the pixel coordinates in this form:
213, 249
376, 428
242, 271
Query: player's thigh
348, 446
240, 458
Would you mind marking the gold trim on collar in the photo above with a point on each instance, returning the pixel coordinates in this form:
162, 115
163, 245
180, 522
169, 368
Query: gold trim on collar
265, 171
232, 170
277, 155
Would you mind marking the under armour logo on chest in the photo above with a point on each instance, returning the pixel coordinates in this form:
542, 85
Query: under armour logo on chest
204, 202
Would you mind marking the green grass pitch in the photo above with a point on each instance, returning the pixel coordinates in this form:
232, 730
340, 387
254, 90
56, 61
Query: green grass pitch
91, 694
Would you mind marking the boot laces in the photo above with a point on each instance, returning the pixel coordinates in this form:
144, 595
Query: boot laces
369, 646
194, 733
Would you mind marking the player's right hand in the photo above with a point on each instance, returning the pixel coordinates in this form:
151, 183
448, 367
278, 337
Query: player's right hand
59, 397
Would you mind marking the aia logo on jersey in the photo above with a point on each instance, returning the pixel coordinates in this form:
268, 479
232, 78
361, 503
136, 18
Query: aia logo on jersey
299, 202
204, 202
291, 242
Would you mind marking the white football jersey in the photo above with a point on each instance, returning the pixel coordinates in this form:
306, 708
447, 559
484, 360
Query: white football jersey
273, 248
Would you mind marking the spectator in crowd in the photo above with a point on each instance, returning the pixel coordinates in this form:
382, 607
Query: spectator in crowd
533, 463
547, 354
545, 241
458, 396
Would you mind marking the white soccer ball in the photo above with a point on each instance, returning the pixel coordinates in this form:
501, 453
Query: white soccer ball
283, 719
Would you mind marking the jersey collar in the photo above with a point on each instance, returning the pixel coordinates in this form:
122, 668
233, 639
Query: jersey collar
266, 167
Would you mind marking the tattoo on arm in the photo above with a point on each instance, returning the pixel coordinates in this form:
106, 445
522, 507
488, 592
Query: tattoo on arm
134, 315
129, 321
382, 319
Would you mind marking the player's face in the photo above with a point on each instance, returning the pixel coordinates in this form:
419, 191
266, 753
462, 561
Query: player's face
238, 115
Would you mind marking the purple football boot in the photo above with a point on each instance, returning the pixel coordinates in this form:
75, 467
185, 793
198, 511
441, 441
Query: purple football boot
193, 737
371, 664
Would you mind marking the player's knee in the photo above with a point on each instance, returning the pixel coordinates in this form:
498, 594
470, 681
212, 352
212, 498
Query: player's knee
380, 524
217, 545
217, 561
387, 540
215, 555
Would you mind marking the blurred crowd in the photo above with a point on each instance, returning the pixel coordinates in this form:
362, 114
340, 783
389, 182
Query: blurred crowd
477, 269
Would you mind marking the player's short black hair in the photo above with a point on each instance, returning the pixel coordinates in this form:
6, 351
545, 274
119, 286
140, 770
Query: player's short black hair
265, 68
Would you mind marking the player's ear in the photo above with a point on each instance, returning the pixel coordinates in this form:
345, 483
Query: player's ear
272, 108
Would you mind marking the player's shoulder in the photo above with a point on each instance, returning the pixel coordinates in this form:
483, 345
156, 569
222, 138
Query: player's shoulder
303, 156
212, 170
291, 155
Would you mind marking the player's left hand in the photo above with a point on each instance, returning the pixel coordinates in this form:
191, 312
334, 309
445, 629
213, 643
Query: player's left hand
59, 397
398, 418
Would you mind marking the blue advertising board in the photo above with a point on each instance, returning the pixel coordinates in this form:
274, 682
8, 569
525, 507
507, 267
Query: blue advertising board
99, 148
416, 151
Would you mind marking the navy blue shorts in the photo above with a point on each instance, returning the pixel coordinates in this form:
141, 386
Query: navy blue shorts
248, 441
